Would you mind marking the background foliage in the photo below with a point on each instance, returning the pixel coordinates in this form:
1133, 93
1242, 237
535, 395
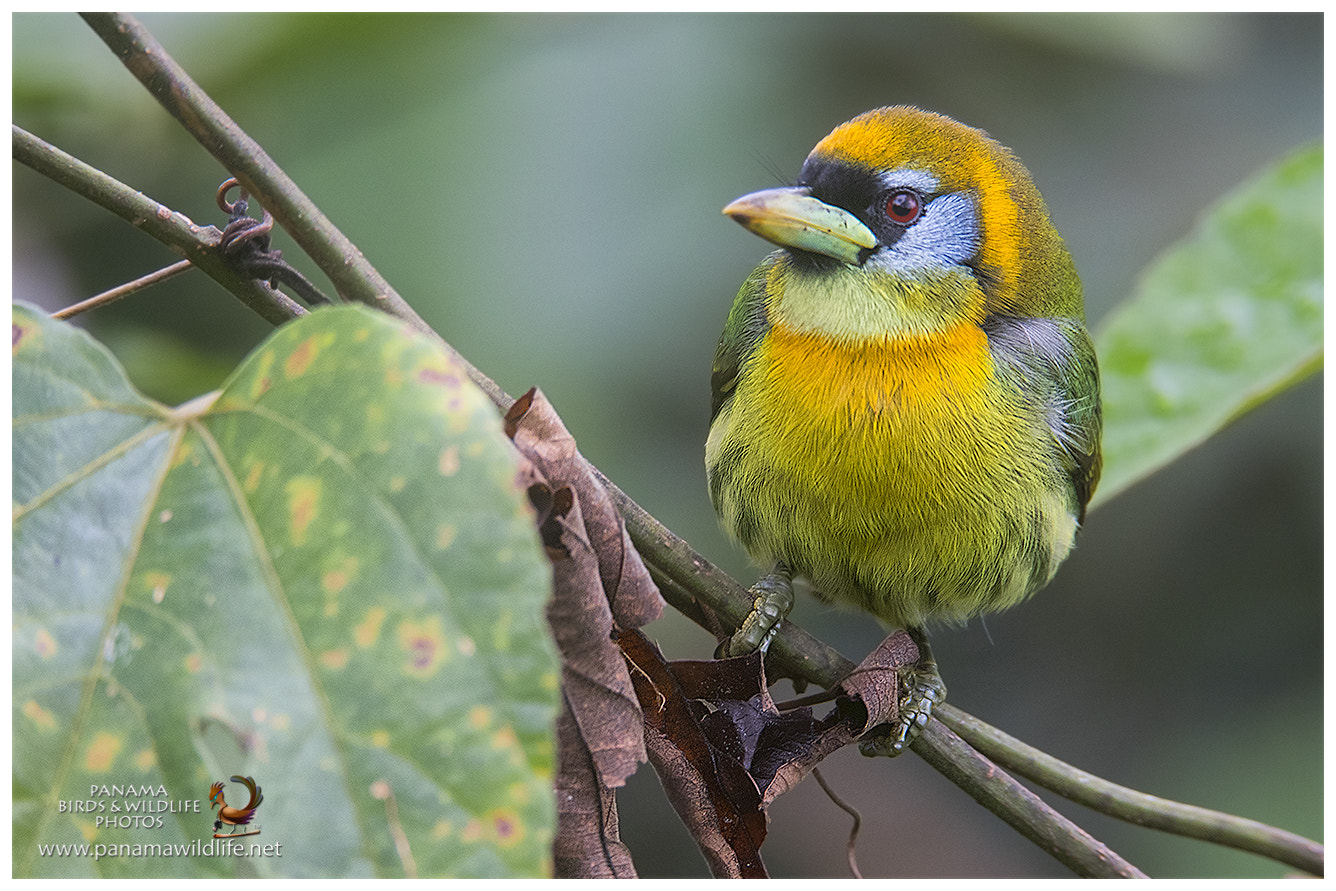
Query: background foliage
545, 191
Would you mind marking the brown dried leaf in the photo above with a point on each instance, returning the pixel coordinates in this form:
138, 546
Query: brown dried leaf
588, 843
876, 680
831, 734
709, 786
539, 434
599, 587
776, 749
871, 697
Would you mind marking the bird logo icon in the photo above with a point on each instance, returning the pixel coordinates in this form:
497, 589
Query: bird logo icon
234, 816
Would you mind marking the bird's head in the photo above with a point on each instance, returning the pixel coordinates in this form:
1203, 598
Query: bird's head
935, 216
215, 795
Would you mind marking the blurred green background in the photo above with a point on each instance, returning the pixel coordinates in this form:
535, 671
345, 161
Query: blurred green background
545, 190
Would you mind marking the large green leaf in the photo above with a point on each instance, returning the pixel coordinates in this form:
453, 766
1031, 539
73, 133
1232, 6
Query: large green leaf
324, 576
1222, 321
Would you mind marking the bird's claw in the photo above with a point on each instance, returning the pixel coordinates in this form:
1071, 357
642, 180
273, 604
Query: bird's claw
773, 601
924, 690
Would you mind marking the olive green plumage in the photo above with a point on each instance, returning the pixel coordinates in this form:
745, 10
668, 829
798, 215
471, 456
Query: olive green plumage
905, 401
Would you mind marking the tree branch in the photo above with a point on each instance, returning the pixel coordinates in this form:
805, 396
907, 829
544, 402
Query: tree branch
1019, 807
353, 276
198, 244
1130, 805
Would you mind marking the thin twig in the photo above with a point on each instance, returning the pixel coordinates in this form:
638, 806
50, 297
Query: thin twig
177, 92
196, 243
851, 846
1018, 806
353, 277
125, 290
1132, 806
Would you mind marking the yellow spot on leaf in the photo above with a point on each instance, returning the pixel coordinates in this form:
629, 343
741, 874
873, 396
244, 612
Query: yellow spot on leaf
185, 451
506, 827
425, 645
520, 793
381, 739
505, 738
44, 644
445, 535
338, 578
194, 662
263, 375
334, 659
102, 751
253, 474
368, 630
442, 829
300, 359
39, 716
449, 461
479, 717
466, 646
472, 832
87, 828
397, 483
157, 584
164, 516
145, 759
303, 505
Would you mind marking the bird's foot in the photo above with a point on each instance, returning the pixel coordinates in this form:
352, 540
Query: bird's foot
923, 689
774, 600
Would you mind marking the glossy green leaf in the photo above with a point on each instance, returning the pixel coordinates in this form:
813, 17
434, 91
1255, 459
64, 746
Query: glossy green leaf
324, 576
1223, 321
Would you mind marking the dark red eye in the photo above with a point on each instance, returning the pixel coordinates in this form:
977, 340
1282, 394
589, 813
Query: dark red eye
903, 207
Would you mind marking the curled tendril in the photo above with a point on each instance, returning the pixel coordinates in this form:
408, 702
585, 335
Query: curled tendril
245, 240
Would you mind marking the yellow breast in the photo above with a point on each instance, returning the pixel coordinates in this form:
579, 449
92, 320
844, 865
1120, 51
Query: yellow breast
895, 472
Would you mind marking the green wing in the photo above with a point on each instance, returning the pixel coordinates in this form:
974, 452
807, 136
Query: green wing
747, 323
1084, 418
1053, 361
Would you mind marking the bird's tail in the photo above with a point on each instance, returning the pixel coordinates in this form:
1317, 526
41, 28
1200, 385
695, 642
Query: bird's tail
256, 796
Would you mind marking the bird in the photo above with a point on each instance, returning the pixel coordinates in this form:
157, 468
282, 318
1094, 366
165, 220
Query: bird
905, 399
234, 816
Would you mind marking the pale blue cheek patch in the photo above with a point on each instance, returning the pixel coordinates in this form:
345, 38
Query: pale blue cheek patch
947, 235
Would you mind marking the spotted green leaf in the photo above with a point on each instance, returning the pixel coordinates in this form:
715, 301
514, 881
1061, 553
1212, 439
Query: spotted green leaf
1223, 321
324, 576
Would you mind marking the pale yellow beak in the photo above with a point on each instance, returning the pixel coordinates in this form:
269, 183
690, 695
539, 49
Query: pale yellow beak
792, 218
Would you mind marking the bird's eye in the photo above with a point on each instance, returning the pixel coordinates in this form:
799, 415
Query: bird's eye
903, 207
